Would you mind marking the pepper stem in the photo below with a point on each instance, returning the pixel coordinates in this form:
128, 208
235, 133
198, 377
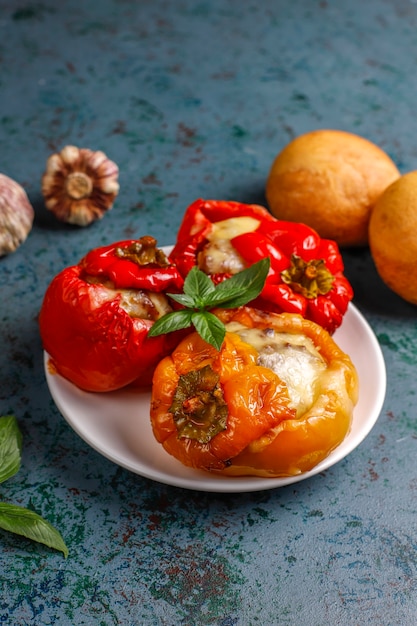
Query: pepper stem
198, 407
143, 252
309, 278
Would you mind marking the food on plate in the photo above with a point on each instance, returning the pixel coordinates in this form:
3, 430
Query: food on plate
392, 236
16, 215
330, 180
274, 401
306, 272
79, 185
258, 390
201, 296
95, 316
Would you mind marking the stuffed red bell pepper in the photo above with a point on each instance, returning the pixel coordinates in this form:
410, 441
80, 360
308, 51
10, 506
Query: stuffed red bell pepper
306, 272
95, 315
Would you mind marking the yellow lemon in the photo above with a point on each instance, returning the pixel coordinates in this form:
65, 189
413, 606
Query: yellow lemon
393, 236
330, 180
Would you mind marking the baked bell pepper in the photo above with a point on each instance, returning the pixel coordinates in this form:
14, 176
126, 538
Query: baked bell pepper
96, 315
231, 412
306, 274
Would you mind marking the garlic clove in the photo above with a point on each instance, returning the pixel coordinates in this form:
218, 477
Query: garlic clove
54, 164
110, 185
97, 159
84, 215
16, 215
69, 154
80, 185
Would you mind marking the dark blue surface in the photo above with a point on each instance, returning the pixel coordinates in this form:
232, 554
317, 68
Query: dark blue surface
195, 99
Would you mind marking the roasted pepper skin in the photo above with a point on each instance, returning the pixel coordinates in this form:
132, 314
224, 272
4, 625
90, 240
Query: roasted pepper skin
281, 241
125, 274
298, 444
94, 342
280, 442
256, 398
197, 223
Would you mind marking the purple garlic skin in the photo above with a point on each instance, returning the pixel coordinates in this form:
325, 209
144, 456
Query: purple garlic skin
16, 215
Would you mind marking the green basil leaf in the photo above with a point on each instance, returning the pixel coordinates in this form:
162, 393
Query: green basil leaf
199, 286
184, 299
29, 524
200, 294
210, 328
171, 322
240, 288
10, 447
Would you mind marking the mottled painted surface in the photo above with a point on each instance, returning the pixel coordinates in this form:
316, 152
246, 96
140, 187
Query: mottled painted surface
195, 99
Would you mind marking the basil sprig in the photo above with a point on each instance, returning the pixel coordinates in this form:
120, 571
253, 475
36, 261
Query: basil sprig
13, 518
201, 294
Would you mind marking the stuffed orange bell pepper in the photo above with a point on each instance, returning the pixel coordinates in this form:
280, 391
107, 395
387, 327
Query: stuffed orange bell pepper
274, 401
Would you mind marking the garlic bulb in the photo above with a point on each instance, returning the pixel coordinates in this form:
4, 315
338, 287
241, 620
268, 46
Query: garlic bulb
16, 215
79, 185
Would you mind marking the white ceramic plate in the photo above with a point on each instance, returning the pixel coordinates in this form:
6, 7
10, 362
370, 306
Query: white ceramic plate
117, 424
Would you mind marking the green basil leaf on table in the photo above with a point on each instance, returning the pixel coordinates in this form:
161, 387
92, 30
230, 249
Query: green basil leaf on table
29, 524
13, 518
10, 447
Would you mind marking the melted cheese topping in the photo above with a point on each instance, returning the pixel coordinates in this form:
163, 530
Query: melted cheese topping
234, 226
218, 255
138, 303
147, 305
293, 357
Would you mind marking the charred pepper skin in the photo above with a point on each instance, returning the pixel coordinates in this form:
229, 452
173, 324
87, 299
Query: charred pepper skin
91, 338
285, 243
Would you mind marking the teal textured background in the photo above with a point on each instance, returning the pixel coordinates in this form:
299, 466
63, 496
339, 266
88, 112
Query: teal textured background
194, 99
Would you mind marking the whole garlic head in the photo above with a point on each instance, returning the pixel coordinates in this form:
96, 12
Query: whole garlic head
79, 185
16, 215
